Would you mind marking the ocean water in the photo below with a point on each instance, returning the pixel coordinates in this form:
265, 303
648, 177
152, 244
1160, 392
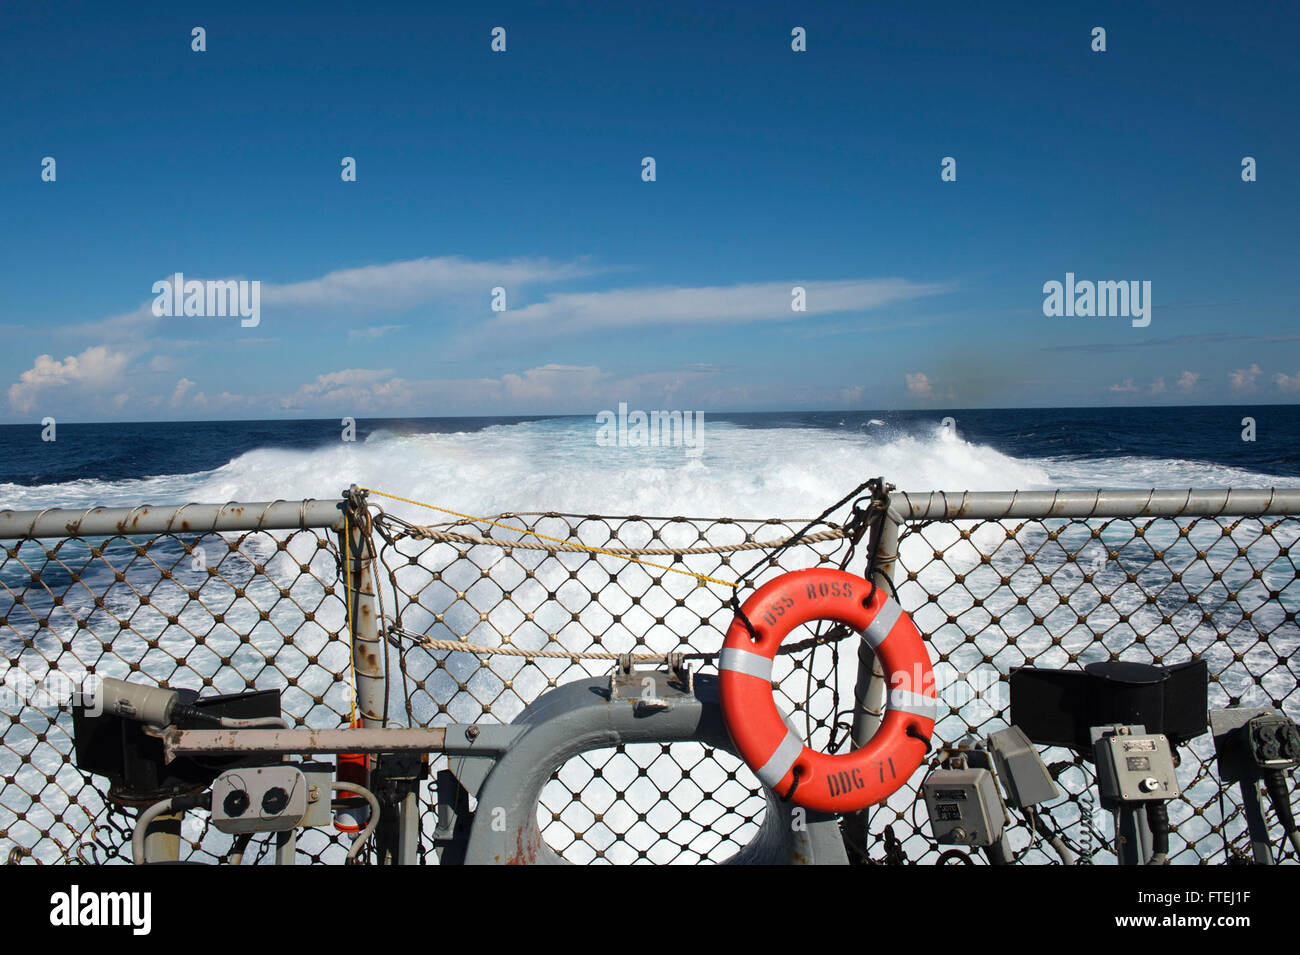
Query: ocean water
751, 465
787, 465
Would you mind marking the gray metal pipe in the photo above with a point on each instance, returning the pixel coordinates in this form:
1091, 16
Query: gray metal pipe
909, 506
368, 656
306, 742
171, 519
993, 505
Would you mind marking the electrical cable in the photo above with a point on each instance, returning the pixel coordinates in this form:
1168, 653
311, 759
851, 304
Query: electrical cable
236, 856
360, 841
997, 852
1158, 823
175, 804
1275, 783
1053, 838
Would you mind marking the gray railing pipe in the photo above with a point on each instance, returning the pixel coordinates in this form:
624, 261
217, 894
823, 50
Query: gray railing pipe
1197, 502
171, 519
368, 657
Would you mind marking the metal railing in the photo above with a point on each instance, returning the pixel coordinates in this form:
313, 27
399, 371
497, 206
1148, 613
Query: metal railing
365, 618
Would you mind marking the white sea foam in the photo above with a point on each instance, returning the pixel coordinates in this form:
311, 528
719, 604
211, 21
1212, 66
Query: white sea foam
556, 465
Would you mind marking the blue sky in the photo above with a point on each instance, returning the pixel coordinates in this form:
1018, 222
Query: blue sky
522, 170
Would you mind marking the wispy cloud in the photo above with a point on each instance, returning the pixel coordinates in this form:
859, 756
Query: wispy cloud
418, 281
568, 313
371, 334
1211, 338
373, 288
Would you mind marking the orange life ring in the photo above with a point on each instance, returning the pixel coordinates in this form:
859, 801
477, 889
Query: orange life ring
774, 751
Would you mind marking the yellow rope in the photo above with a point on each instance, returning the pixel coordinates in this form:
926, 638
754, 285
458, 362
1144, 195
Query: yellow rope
347, 604
556, 540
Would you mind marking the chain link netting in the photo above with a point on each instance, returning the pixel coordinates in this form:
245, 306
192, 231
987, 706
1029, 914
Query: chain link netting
994, 595
636, 802
236, 611
218, 613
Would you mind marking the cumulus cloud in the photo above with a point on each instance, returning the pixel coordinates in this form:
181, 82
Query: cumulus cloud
97, 369
1158, 386
1126, 387
551, 382
1243, 379
1187, 381
851, 396
178, 395
919, 383
1287, 382
552, 387
345, 385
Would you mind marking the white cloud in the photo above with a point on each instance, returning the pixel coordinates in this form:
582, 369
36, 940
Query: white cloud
392, 285
551, 382
1243, 379
1187, 380
96, 369
1287, 382
673, 305
1125, 387
340, 386
851, 396
547, 388
404, 284
919, 384
182, 386
128, 326
371, 334
1158, 386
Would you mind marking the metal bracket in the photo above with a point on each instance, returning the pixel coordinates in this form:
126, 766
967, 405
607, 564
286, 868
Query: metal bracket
652, 691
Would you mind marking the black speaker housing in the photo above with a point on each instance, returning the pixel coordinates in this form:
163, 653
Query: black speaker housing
1057, 707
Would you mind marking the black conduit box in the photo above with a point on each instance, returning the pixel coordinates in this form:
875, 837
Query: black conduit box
133, 760
1057, 707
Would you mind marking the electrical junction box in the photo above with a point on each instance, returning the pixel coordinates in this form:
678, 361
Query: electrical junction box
1021, 769
1251, 739
964, 806
259, 799
1135, 767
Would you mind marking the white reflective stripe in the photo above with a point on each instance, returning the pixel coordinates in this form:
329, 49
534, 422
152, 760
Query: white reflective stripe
905, 701
742, 661
889, 613
779, 763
